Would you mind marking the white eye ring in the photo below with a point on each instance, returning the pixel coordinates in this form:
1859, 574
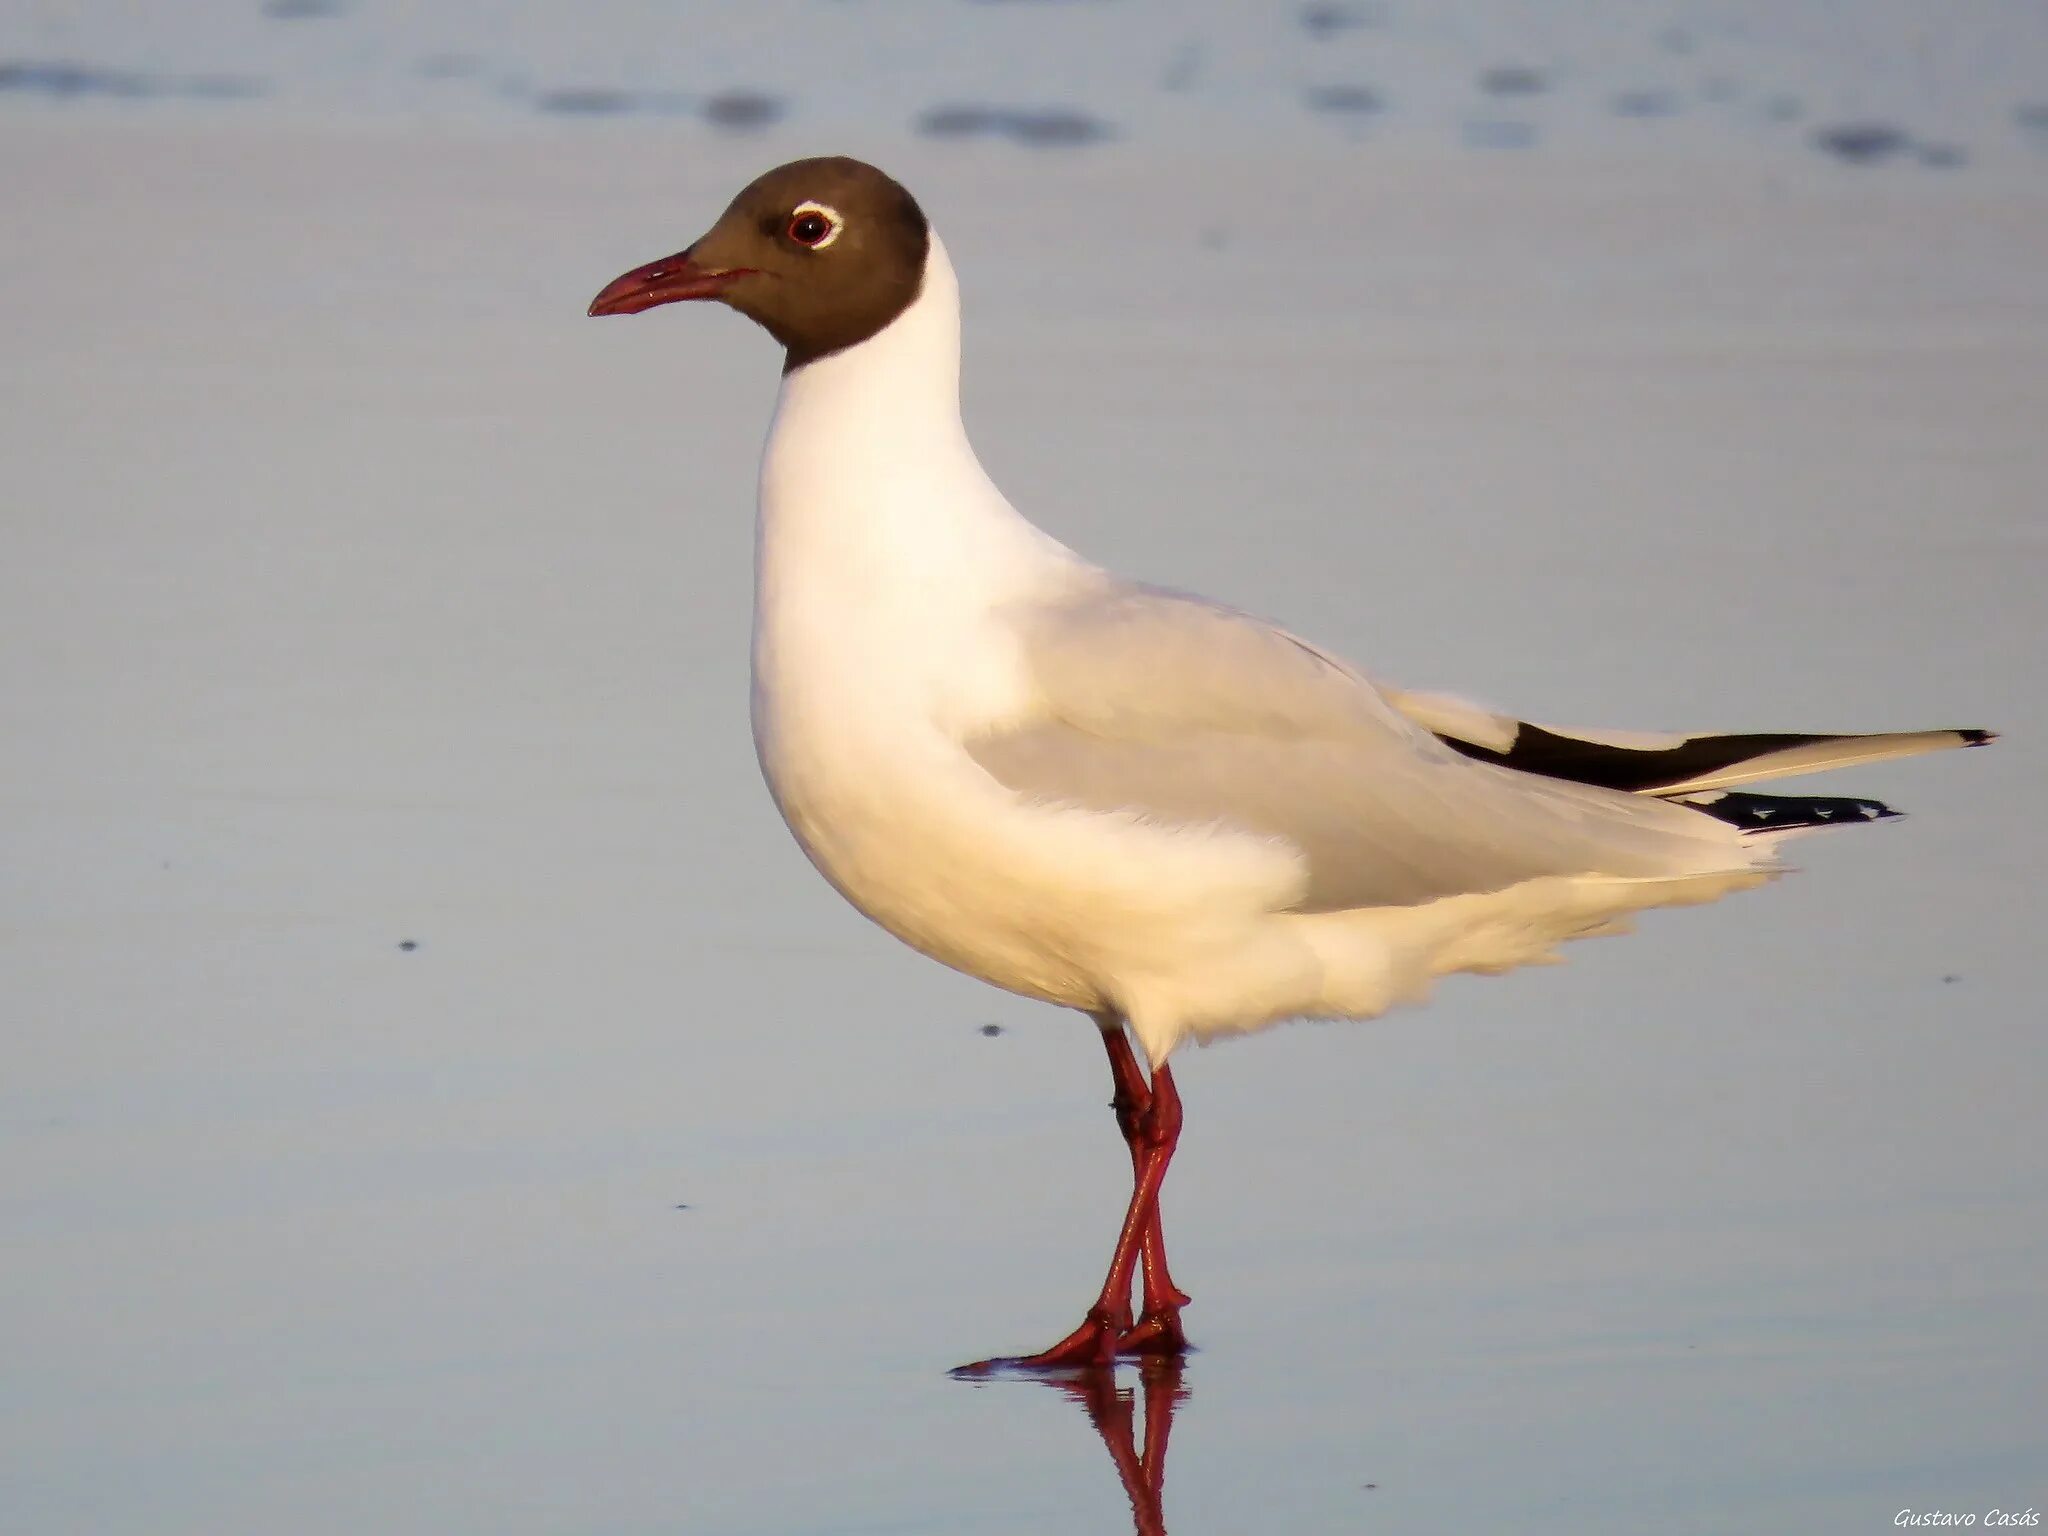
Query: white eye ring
833, 224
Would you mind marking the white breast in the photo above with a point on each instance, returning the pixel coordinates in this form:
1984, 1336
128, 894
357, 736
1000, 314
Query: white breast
885, 559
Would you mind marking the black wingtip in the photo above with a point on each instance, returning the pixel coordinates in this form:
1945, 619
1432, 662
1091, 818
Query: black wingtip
1978, 738
1788, 813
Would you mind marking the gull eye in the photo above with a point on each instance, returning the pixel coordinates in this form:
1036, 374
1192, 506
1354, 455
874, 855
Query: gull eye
814, 225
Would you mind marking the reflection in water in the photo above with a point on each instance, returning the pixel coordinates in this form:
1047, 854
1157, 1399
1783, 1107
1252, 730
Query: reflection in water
1113, 1412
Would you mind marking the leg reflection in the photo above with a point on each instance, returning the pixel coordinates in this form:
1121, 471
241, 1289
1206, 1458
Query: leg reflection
1113, 1412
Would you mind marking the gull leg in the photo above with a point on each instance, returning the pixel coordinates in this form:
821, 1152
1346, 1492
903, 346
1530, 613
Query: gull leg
1154, 1133
1151, 1118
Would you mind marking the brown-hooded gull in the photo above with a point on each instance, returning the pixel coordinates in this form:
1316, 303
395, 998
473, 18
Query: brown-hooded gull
1169, 815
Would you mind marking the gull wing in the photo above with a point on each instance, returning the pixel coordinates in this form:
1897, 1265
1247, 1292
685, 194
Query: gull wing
1177, 711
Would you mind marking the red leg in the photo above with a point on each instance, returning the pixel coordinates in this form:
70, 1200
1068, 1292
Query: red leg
1133, 1102
1151, 1120
1158, 1330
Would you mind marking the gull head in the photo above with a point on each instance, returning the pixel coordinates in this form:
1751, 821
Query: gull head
820, 253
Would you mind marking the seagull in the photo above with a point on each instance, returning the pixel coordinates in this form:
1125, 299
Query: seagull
1167, 814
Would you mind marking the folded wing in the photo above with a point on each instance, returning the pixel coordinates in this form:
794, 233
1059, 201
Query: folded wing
1178, 712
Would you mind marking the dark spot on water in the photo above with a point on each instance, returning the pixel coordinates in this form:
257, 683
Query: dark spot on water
408, 945
682, 1207
63, 80
1497, 134
957, 122
1950, 980
1862, 143
1513, 80
1643, 104
991, 1030
1343, 100
302, 10
1370, 1486
1324, 19
586, 101
1943, 157
1038, 127
1056, 126
742, 111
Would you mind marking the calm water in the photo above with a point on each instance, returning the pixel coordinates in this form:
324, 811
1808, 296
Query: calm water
439, 1098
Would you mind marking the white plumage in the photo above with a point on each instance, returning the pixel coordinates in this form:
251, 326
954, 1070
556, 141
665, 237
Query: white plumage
1119, 799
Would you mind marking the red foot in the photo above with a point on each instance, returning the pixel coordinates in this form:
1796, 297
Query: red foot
1094, 1343
1156, 1333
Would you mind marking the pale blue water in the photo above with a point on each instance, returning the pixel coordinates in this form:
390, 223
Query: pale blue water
1902, 82
359, 593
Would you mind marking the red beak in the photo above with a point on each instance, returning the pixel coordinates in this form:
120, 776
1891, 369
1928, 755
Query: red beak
663, 282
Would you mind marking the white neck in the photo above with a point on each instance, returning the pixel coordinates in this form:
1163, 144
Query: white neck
868, 482
911, 366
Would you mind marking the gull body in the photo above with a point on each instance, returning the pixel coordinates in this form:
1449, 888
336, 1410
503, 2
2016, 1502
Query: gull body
1136, 803
901, 605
